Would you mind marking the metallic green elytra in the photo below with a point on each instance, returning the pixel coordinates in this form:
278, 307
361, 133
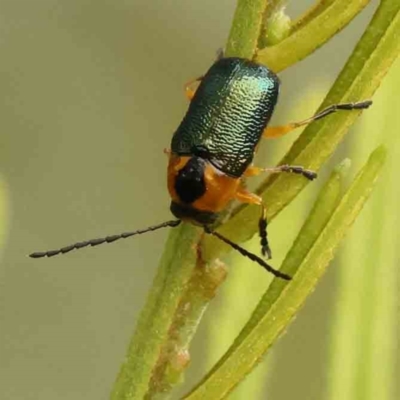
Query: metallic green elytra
225, 120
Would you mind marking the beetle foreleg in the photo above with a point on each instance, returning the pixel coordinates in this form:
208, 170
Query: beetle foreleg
191, 87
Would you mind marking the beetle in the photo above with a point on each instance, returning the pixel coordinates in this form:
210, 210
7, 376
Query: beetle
213, 148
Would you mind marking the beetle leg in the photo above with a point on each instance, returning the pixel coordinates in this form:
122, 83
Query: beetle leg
262, 231
277, 131
251, 198
247, 254
295, 169
191, 87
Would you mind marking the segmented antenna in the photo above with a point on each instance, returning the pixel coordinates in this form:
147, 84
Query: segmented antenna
173, 223
108, 239
249, 255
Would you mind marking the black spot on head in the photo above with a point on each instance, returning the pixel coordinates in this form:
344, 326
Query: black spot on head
189, 183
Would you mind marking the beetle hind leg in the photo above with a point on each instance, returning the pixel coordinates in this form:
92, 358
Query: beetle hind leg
278, 131
294, 169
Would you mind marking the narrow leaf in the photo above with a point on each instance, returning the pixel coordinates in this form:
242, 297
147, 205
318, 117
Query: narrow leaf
322, 25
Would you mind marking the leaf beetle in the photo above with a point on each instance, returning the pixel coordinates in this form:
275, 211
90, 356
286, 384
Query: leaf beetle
213, 148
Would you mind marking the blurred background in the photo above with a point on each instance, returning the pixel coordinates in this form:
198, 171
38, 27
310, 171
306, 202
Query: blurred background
91, 92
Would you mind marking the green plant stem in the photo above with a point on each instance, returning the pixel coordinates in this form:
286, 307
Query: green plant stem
305, 39
246, 28
174, 356
173, 275
311, 13
277, 27
161, 321
206, 278
308, 260
360, 78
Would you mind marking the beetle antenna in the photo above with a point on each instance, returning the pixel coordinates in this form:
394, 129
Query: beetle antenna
249, 255
108, 239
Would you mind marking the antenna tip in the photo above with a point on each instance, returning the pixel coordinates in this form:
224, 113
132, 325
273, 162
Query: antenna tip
36, 255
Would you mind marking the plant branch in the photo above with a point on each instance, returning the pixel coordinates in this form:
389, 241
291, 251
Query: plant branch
174, 356
307, 261
311, 13
176, 267
321, 27
246, 28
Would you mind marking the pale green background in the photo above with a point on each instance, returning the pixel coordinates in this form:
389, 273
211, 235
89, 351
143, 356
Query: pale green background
90, 93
